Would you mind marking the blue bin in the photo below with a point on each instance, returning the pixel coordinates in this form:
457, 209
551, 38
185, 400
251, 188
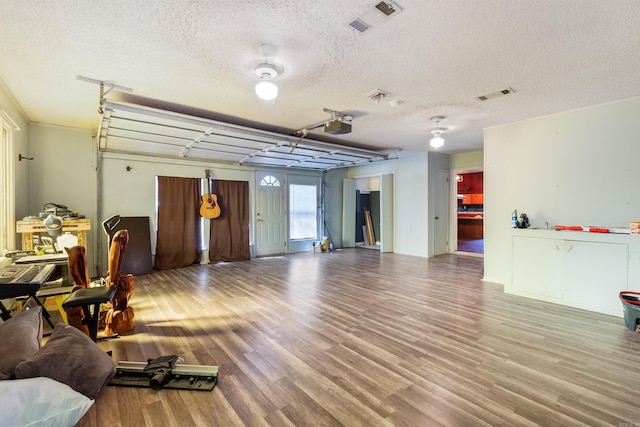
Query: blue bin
631, 306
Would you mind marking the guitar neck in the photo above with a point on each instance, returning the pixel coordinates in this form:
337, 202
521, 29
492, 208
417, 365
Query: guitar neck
207, 174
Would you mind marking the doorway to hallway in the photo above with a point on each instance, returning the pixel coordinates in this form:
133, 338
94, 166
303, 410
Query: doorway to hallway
469, 212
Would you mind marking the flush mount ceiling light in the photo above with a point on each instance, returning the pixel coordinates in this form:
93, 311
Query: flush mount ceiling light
437, 141
266, 89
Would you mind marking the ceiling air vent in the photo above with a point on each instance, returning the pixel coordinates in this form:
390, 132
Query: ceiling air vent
374, 15
385, 8
497, 94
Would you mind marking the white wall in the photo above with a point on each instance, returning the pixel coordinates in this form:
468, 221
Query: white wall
68, 169
469, 160
410, 189
133, 192
371, 183
64, 171
576, 168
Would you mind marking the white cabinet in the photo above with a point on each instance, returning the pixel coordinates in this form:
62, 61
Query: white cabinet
578, 269
537, 267
594, 273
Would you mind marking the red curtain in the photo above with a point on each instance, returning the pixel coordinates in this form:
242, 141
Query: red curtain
229, 233
179, 233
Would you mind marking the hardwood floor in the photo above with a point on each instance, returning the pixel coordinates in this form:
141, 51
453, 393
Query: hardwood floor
475, 246
363, 338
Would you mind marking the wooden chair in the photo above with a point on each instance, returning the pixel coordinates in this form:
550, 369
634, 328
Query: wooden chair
89, 300
83, 305
80, 274
120, 318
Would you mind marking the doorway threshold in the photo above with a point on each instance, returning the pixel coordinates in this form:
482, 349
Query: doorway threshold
475, 254
363, 246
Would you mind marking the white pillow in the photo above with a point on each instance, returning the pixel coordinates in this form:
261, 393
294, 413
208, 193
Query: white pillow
40, 402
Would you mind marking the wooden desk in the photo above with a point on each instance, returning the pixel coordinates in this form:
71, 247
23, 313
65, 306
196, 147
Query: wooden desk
27, 228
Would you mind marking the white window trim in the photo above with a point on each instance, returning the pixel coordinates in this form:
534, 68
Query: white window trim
293, 179
7, 181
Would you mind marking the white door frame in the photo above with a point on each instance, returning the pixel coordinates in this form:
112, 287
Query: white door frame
348, 213
386, 213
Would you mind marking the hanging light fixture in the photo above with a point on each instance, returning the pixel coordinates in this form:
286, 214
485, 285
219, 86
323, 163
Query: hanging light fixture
266, 89
437, 140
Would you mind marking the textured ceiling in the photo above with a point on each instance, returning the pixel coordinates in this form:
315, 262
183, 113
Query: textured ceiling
436, 56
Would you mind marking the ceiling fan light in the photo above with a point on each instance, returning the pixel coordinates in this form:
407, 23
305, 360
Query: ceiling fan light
266, 90
437, 141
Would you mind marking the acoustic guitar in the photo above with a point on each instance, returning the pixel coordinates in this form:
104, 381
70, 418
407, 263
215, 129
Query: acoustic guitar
209, 207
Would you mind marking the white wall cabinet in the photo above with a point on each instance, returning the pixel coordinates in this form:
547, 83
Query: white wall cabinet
578, 269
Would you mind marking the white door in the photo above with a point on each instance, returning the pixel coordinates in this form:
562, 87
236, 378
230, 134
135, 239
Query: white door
441, 212
271, 213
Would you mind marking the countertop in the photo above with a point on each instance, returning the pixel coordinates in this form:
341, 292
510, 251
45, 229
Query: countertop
470, 215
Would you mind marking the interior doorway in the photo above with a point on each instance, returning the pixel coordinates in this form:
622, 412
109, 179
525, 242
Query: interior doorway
367, 217
469, 212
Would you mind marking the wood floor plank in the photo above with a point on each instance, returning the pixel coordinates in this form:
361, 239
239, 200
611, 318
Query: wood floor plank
362, 338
